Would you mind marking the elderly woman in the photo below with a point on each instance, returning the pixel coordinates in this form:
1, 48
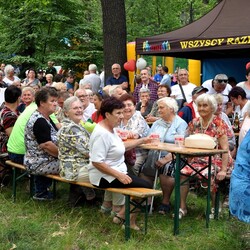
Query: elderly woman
107, 167
136, 127
42, 151
144, 105
31, 79
239, 194
49, 80
163, 91
10, 77
73, 146
167, 126
28, 96
212, 125
97, 100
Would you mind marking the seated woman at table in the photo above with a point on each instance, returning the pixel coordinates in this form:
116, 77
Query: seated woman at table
136, 127
41, 148
214, 126
169, 125
107, 167
239, 194
73, 147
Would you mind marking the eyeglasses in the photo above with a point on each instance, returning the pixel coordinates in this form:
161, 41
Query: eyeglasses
115, 68
221, 81
129, 105
82, 96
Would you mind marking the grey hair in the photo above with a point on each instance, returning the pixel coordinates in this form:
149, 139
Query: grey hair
113, 88
144, 90
169, 102
8, 68
221, 77
30, 89
92, 67
68, 102
209, 99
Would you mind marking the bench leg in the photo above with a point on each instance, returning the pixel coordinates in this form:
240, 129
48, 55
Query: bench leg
208, 192
31, 177
127, 217
54, 188
14, 184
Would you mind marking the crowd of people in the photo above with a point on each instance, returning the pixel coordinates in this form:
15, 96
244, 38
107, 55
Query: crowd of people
80, 131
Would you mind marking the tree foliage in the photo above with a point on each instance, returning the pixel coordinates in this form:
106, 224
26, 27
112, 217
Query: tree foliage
70, 32
65, 31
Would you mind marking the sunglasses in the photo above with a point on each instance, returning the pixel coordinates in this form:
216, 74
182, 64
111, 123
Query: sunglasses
221, 81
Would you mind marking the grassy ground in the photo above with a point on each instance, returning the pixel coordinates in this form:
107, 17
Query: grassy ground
29, 224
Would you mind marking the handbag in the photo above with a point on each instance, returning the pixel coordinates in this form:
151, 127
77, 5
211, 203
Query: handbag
181, 102
172, 166
130, 157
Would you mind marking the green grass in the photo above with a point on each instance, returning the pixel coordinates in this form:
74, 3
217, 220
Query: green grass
29, 224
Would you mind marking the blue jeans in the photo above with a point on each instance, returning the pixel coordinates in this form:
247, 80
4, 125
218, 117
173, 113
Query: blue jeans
17, 158
42, 184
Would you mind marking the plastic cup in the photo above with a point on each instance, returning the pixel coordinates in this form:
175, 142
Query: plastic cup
123, 134
155, 137
179, 140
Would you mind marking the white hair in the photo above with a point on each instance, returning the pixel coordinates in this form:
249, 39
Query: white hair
92, 67
169, 102
209, 99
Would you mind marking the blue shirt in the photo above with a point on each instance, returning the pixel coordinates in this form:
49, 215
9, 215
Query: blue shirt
116, 81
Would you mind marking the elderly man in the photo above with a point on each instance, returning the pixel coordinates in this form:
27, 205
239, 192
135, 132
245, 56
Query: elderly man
88, 107
117, 78
148, 84
183, 90
219, 85
92, 78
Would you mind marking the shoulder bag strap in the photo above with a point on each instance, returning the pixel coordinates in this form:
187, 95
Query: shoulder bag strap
184, 97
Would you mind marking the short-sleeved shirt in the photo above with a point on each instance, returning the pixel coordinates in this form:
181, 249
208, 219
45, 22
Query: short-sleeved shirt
38, 130
105, 147
116, 81
187, 89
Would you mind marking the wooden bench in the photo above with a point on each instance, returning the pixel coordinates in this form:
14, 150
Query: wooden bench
142, 193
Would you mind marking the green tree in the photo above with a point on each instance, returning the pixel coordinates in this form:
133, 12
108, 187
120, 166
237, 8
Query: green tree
114, 34
64, 31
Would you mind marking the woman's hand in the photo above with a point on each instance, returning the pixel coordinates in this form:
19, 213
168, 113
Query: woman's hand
160, 163
221, 175
123, 178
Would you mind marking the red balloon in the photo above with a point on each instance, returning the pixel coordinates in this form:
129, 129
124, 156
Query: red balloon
248, 65
129, 65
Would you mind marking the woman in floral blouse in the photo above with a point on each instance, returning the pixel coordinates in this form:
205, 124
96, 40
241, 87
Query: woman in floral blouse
73, 146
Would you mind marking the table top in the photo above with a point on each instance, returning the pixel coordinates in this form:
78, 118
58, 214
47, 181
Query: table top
172, 148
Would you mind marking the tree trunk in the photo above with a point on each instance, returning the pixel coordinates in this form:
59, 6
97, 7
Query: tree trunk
114, 34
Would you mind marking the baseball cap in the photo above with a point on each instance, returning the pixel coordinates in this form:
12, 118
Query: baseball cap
197, 90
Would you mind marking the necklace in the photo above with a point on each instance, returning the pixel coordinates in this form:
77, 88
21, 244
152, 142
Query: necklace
204, 128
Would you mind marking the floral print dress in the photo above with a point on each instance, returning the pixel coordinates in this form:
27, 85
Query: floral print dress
215, 129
